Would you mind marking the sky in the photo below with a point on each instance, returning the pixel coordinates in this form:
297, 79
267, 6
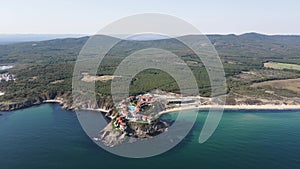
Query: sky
209, 16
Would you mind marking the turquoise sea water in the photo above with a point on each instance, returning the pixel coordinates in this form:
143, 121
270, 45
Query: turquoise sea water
48, 137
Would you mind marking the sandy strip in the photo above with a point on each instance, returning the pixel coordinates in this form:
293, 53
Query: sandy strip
235, 107
53, 101
104, 78
263, 107
99, 110
201, 107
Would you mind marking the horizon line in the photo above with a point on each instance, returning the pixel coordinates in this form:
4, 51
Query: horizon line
229, 33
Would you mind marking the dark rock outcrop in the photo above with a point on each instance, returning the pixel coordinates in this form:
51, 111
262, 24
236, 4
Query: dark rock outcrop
111, 136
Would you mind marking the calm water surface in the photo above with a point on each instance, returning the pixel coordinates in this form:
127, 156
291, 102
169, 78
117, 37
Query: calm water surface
48, 137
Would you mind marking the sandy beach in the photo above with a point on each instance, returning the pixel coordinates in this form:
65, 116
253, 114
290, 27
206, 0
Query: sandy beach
99, 110
205, 107
53, 101
235, 107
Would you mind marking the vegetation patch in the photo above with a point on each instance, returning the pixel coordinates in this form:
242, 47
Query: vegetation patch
278, 65
288, 84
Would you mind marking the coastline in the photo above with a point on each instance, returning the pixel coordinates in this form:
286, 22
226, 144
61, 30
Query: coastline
98, 110
61, 102
200, 107
234, 107
53, 101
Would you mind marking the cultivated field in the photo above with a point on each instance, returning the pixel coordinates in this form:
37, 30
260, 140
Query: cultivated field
278, 65
288, 84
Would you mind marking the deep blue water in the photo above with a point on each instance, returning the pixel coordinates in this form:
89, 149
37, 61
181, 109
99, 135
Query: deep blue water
48, 137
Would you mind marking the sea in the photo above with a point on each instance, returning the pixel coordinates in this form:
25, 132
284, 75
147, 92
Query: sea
48, 137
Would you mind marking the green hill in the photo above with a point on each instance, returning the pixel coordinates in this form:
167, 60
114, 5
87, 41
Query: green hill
44, 69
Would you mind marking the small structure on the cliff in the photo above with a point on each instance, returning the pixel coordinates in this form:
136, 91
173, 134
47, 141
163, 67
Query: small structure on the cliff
7, 77
121, 123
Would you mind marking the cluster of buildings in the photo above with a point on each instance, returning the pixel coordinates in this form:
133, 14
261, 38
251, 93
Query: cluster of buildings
121, 123
133, 109
6, 77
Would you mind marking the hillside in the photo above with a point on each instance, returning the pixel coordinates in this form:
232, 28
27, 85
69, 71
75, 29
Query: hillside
43, 69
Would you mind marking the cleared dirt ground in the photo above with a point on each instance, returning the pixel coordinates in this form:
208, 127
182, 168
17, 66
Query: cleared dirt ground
288, 84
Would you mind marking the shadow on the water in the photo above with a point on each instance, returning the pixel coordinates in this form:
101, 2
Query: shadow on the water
169, 118
188, 139
107, 119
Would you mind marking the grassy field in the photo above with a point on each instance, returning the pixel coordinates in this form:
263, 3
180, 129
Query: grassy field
288, 84
278, 65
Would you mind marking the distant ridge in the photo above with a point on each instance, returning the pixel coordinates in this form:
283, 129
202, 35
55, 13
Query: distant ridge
16, 38
66, 49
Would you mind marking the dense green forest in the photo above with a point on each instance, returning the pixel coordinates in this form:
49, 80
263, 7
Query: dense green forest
44, 69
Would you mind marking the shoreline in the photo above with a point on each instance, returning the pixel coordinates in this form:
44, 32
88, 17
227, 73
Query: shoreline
201, 107
54, 101
97, 110
61, 102
233, 107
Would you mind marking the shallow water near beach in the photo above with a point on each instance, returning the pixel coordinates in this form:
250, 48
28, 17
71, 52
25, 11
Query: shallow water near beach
48, 137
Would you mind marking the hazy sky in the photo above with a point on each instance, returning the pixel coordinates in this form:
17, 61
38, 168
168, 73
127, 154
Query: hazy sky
210, 16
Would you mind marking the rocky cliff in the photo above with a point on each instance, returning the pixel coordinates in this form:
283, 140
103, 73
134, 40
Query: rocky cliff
65, 99
112, 136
